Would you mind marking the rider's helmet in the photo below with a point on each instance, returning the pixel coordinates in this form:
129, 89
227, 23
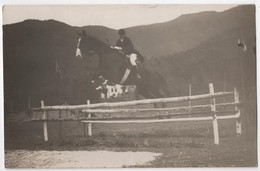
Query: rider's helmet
121, 32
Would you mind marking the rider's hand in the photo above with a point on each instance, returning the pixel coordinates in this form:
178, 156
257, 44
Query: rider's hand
116, 47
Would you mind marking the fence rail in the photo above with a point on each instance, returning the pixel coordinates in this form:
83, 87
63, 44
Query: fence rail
206, 111
161, 120
108, 111
135, 102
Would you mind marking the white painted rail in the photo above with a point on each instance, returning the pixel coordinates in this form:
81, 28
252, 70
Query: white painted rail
161, 120
135, 102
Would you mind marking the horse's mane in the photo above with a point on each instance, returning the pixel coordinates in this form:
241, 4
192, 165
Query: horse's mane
102, 45
97, 42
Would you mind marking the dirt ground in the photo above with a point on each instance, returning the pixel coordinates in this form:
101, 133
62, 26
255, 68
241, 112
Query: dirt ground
185, 144
76, 159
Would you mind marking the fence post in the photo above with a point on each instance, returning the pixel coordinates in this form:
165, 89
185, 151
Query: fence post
60, 124
44, 117
238, 121
84, 129
214, 115
67, 112
189, 100
89, 124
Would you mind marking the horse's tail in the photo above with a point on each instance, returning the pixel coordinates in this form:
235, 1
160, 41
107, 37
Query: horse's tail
163, 87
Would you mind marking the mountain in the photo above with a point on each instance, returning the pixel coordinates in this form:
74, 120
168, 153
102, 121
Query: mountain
187, 47
187, 31
218, 60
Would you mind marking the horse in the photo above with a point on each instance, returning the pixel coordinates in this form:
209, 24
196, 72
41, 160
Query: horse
114, 68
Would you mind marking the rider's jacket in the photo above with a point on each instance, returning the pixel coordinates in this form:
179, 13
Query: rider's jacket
126, 45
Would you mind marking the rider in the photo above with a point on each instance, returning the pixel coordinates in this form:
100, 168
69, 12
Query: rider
127, 47
124, 42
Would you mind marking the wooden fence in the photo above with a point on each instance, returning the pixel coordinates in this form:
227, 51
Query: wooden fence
213, 110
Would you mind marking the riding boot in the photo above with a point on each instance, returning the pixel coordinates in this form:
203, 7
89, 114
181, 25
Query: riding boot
138, 76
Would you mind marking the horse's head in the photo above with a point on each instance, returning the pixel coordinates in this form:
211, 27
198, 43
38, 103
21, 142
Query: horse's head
85, 46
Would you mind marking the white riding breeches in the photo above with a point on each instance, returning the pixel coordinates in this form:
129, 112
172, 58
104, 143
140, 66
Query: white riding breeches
133, 59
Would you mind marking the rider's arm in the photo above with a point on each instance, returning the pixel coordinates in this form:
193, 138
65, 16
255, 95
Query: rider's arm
118, 42
130, 44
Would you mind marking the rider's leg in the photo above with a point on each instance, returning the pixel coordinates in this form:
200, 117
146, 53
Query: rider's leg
133, 62
138, 76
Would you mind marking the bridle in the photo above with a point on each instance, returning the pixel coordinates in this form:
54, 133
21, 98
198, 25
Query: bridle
81, 53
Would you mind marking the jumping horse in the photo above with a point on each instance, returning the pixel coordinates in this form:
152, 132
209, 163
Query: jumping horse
114, 68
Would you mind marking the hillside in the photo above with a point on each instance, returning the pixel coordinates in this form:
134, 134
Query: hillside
216, 60
187, 47
188, 31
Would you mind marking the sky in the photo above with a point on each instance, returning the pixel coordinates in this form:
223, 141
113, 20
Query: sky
112, 16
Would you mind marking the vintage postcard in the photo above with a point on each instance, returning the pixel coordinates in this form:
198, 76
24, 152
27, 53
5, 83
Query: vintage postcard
129, 85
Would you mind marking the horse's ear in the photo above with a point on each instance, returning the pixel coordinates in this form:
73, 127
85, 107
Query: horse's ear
83, 33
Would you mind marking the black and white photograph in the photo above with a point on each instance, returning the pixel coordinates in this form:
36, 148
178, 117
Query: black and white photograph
129, 86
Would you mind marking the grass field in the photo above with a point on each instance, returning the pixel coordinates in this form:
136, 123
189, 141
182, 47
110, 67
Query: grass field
182, 144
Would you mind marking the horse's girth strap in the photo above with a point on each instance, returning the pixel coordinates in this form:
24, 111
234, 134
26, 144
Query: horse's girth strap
127, 72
